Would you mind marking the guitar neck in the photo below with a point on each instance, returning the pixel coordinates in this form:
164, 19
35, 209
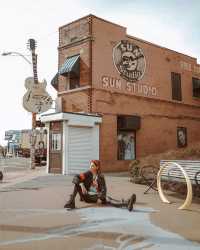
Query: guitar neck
34, 61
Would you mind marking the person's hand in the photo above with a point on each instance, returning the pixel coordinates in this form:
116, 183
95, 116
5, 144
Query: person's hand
95, 184
84, 190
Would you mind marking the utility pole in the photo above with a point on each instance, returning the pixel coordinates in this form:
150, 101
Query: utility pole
33, 141
36, 100
32, 46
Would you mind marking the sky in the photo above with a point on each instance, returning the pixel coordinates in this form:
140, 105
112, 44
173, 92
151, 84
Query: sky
173, 24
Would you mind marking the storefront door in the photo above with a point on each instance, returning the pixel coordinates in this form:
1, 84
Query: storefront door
55, 148
80, 149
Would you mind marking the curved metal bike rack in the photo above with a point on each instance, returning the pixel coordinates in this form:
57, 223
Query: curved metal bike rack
188, 199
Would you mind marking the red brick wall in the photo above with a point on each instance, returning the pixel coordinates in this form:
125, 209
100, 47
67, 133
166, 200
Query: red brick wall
160, 62
159, 122
74, 39
76, 101
160, 116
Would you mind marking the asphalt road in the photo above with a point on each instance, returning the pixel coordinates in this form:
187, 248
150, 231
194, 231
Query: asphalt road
32, 217
14, 164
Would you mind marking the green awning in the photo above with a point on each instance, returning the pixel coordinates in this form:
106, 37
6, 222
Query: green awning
71, 64
54, 81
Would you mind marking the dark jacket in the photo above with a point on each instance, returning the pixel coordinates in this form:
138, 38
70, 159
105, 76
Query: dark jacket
87, 179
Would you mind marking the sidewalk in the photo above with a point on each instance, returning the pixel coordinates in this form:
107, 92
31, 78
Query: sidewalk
33, 218
15, 177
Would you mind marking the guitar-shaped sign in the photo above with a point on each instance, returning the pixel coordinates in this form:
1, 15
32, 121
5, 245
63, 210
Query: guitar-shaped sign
36, 99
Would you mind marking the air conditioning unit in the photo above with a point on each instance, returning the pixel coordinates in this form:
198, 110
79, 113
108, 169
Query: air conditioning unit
128, 122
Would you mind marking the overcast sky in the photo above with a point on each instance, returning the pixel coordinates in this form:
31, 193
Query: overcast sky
173, 23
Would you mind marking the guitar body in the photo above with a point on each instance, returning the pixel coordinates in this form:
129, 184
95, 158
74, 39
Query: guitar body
36, 99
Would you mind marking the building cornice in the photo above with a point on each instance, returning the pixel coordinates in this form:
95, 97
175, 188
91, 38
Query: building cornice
74, 90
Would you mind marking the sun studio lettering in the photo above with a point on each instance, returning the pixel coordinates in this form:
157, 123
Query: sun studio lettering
131, 87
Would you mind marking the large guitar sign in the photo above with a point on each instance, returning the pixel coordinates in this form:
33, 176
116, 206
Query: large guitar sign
36, 99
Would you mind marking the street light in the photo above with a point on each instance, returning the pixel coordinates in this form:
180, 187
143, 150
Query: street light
10, 53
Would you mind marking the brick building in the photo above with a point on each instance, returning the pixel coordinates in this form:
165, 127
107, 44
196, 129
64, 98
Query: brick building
130, 97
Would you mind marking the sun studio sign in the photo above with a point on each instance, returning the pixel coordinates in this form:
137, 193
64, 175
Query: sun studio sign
129, 61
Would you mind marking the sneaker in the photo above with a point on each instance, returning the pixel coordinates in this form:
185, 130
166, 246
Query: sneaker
70, 204
1, 176
131, 201
81, 198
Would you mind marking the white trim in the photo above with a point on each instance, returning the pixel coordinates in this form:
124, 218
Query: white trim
52, 117
47, 126
74, 90
73, 119
64, 149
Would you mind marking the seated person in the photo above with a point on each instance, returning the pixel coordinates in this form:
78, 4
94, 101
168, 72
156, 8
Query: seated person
91, 187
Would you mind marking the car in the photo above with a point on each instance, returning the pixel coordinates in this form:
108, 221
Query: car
9, 155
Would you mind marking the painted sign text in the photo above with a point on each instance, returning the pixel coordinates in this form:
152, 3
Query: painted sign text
131, 87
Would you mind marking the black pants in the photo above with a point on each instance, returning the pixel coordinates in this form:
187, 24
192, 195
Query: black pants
88, 198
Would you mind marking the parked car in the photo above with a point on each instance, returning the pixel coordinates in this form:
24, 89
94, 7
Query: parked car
9, 155
25, 152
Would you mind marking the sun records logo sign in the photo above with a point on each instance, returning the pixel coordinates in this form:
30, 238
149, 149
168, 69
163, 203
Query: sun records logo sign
129, 61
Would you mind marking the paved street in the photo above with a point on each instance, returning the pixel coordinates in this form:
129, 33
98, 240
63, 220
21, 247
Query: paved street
14, 163
32, 217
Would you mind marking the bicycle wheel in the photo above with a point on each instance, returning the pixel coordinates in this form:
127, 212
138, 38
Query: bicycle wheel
149, 174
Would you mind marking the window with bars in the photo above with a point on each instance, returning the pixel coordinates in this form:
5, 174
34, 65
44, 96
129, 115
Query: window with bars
176, 86
56, 142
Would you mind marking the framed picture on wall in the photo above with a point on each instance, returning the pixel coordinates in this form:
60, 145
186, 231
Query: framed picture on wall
181, 137
126, 145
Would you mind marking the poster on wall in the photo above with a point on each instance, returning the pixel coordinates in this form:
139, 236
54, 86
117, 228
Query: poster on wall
181, 137
126, 145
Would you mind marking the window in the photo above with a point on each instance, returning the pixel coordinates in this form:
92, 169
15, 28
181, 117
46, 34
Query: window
70, 69
196, 87
126, 136
74, 81
126, 145
176, 86
56, 142
181, 137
